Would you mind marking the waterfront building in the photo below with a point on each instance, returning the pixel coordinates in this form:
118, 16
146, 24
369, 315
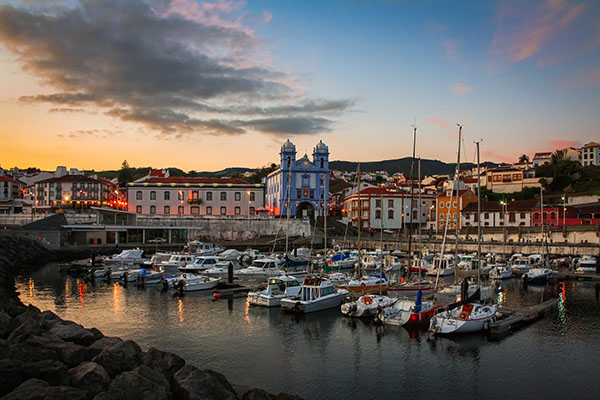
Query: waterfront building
560, 215
177, 195
73, 192
499, 213
541, 158
447, 212
11, 196
590, 154
510, 179
383, 209
300, 186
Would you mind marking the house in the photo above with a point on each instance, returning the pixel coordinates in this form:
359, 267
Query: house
541, 158
72, 192
300, 187
448, 206
11, 196
154, 173
177, 195
498, 214
510, 179
590, 154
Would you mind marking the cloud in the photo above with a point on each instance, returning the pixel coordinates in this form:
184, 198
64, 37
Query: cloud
451, 48
562, 144
267, 17
439, 122
523, 29
461, 89
178, 67
490, 155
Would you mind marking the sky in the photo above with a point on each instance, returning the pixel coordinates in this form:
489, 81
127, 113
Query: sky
208, 85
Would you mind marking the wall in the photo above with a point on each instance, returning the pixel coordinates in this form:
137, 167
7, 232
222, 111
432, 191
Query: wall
50, 239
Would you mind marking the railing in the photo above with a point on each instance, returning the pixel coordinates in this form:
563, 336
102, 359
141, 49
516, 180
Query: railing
194, 201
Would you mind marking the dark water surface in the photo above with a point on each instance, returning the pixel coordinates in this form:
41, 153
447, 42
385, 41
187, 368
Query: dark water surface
328, 356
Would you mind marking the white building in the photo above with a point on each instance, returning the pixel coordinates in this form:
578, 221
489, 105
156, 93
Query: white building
499, 214
77, 192
590, 154
194, 196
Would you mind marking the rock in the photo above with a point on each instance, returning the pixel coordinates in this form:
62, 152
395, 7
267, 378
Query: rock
36, 389
73, 332
152, 375
163, 362
192, 383
5, 322
27, 352
257, 394
52, 371
96, 348
286, 396
10, 375
89, 376
71, 354
123, 356
135, 385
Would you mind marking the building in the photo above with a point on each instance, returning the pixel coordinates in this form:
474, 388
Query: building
300, 186
11, 196
590, 154
178, 195
73, 192
541, 158
448, 207
572, 154
510, 179
383, 209
154, 173
498, 214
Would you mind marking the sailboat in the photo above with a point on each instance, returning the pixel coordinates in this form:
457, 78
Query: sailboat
542, 273
468, 315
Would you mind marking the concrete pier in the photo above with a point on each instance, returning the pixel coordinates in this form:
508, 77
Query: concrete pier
511, 318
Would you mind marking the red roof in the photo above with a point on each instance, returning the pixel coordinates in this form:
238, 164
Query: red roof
158, 172
374, 190
9, 179
542, 154
469, 180
183, 179
106, 181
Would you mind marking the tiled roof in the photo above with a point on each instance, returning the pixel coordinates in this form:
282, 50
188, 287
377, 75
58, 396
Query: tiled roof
183, 179
548, 153
9, 179
592, 144
70, 178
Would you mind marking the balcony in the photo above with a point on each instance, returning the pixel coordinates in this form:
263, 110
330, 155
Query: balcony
194, 201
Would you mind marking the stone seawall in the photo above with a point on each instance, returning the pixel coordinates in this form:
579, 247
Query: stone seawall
45, 357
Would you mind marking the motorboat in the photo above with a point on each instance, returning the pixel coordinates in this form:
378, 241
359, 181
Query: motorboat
520, 265
221, 269
537, 275
203, 249
339, 278
126, 257
150, 277
259, 271
156, 259
536, 260
373, 283
501, 272
586, 264
408, 312
409, 289
200, 264
278, 288
316, 294
442, 266
366, 306
189, 282
176, 261
340, 261
469, 317
230, 255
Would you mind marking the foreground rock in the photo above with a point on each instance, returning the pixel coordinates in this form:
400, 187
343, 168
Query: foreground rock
44, 357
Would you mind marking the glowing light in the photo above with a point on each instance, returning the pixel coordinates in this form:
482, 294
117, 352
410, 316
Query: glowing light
117, 298
31, 287
180, 311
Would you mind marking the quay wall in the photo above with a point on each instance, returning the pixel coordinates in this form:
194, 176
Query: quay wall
44, 356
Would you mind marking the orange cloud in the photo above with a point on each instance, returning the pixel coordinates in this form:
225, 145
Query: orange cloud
562, 144
490, 155
461, 89
439, 122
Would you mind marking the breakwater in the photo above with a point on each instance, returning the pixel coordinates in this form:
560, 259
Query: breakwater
44, 356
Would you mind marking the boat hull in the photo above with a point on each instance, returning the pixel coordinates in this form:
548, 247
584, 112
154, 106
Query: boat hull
320, 304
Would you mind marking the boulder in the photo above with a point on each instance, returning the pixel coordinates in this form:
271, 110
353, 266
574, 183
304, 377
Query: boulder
28, 352
5, 322
163, 362
152, 375
192, 383
260, 394
89, 376
36, 389
71, 354
135, 385
123, 356
103, 343
10, 375
73, 332
29, 327
52, 371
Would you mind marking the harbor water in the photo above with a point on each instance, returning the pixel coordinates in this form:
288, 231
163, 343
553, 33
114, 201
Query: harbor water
328, 356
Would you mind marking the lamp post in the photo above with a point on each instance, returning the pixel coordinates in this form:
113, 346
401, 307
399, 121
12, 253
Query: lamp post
504, 212
564, 199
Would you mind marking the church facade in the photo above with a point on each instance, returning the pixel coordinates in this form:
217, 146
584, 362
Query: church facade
300, 186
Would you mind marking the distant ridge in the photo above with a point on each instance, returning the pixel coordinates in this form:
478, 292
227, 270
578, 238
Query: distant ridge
224, 172
428, 167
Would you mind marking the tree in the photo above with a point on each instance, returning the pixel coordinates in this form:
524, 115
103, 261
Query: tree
524, 158
125, 174
558, 156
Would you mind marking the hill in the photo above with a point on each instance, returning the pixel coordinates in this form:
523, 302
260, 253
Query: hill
428, 167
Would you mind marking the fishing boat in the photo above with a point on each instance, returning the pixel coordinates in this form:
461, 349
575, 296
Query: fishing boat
316, 294
278, 288
375, 282
366, 306
536, 275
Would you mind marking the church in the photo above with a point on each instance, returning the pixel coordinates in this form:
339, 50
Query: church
300, 186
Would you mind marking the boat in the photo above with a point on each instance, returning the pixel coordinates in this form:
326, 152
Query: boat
452, 293
536, 275
375, 282
278, 288
176, 261
409, 290
150, 277
221, 269
156, 259
316, 294
441, 266
408, 312
469, 317
366, 306
203, 249
126, 257
586, 265
200, 264
501, 272
188, 282
340, 261
520, 265
260, 270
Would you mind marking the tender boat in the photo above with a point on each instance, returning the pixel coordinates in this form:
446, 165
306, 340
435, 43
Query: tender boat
374, 283
537, 275
317, 294
259, 271
200, 264
366, 306
278, 288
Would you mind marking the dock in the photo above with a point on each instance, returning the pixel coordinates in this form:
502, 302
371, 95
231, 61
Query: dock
236, 290
513, 318
574, 276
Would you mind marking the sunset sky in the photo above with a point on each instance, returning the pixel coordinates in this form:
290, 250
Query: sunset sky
207, 85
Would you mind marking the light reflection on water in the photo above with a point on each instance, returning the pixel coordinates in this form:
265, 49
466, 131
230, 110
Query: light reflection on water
325, 355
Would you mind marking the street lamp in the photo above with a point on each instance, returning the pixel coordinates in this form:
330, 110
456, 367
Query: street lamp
564, 199
503, 204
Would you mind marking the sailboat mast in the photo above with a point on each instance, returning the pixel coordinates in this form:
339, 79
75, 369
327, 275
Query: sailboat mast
543, 233
381, 246
288, 205
412, 193
478, 216
359, 217
419, 219
457, 186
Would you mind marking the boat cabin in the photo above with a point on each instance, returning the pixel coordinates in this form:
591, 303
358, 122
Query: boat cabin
315, 287
265, 263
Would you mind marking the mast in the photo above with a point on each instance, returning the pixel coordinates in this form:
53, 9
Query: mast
478, 217
419, 208
457, 186
325, 212
288, 205
412, 194
359, 218
543, 233
381, 246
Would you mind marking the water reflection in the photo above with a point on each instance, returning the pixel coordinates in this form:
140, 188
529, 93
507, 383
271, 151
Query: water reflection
31, 287
180, 310
116, 298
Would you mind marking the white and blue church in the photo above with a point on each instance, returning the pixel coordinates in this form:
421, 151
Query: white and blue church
302, 185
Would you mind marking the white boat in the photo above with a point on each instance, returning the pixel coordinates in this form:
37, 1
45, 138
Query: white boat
190, 283
374, 283
117, 272
407, 313
409, 290
221, 269
470, 317
230, 255
520, 265
366, 306
150, 277
338, 278
259, 271
316, 294
278, 288
200, 264
126, 257
586, 265
176, 261
536, 275
443, 266
501, 272
203, 249
452, 293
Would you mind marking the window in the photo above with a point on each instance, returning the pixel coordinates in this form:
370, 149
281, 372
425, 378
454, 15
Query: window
252, 196
223, 210
486, 215
167, 209
195, 210
237, 211
536, 215
377, 214
208, 196
390, 214
378, 203
447, 204
522, 215
322, 163
441, 204
209, 210
237, 196
552, 215
138, 209
516, 177
180, 195
153, 195
180, 210
299, 193
305, 180
251, 210
511, 217
497, 178
223, 196
391, 203
167, 195
138, 195
152, 209
312, 194
454, 204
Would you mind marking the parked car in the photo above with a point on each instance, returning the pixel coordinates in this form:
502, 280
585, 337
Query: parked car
157, 240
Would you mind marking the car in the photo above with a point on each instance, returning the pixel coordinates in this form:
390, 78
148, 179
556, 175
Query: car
157, 240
